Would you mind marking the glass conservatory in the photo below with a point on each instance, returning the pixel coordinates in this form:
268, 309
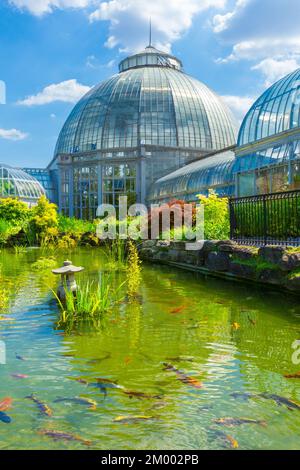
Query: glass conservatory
268, 153
212, 172
139, 125
16, 183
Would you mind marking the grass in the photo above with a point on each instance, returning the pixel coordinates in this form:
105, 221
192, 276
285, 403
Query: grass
91, 301
258, 263
115, 253
294, 274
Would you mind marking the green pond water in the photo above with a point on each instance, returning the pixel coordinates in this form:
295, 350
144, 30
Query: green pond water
130, 349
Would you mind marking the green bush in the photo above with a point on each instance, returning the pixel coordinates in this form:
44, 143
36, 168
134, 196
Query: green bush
14, 211
216, 217
44, 221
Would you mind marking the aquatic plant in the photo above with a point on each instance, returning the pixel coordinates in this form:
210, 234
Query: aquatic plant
133, 271
19, 249
44, 263
66, 242
89, 303
4, 293
115, 253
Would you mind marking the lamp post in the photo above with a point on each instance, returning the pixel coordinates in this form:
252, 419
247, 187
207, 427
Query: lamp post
68, 281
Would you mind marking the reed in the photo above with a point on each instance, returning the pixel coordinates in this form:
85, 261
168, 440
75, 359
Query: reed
89, 304
115, 253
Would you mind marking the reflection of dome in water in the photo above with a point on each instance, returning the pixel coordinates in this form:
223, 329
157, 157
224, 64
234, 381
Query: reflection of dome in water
17, 183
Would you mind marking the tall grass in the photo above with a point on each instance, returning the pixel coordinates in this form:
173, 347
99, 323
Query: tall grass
115, 253
89, 303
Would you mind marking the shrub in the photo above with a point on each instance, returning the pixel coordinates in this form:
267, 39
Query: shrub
216, 217
14, 211
44, 221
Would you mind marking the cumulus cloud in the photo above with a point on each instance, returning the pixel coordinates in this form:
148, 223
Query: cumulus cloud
42, 7
274, 69
266, 31
239, 105
170, 20
12, 134
69, 91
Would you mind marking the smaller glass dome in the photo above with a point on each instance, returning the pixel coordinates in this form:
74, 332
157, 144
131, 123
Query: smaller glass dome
16, 183
276, 110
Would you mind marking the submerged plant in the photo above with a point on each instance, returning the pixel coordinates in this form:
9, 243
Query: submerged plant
44, 263
89, 303
133, 273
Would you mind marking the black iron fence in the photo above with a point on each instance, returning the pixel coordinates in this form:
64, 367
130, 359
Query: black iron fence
269, 219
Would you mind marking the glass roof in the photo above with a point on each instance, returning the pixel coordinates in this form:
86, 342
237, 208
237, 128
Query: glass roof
277, 110
16, 183
150, 57
148, 105
198, 177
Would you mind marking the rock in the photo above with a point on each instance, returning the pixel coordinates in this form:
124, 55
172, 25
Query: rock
242, 270
272, 254
226, 248
162, 244
271, 276
293, 284
149, 243
147, 253
244, 253
289, 262
217, 261
210, 245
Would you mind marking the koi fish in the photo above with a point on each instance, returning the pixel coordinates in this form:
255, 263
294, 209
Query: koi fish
183, 377
231, 422
99, 360
132, 419
108, 383
236, 326
181, 359
6, 403
243, 395
63, 436
79, 401
19, 376
253, 322
43, 407
280, 401
82, 381
178, 309
21, 358
293, 376
5, 418
227, 439
150, 396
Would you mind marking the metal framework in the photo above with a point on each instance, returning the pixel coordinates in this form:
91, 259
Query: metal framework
268, 219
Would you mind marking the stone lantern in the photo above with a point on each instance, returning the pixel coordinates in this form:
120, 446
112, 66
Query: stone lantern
68, 281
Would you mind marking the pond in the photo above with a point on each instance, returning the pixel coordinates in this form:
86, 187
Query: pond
160, 373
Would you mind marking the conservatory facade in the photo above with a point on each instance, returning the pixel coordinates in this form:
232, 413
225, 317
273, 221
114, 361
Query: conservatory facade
141, 124
266, 159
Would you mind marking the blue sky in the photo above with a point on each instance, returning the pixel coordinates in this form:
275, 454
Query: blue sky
52, 51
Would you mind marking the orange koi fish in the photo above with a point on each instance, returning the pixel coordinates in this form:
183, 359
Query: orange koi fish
236, 326
6, 403
178, 309
63, 436
293, 376
183, 377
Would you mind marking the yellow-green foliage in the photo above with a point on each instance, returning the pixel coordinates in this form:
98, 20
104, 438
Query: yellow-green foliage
133, 270
216, 217
45, 221
14, 211
66, 242
44, 263
114, 251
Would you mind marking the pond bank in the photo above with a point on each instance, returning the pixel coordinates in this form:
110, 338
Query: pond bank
270, 265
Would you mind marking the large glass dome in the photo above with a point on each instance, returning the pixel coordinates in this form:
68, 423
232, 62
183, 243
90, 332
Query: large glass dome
16, 183
276, 111
150, 102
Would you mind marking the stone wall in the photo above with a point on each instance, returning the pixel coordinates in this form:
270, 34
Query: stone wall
273, 265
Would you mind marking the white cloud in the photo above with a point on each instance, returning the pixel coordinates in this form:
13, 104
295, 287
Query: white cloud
12, 134
42, 7
263, 32
239, 105
69, 91
274, 69
129, 20
93, 63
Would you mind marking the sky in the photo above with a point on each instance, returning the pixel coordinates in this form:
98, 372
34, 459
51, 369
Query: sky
53, 51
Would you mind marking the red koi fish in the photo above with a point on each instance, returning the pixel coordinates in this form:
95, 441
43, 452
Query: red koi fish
6, 403
178, 309
183, 377
19, 376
